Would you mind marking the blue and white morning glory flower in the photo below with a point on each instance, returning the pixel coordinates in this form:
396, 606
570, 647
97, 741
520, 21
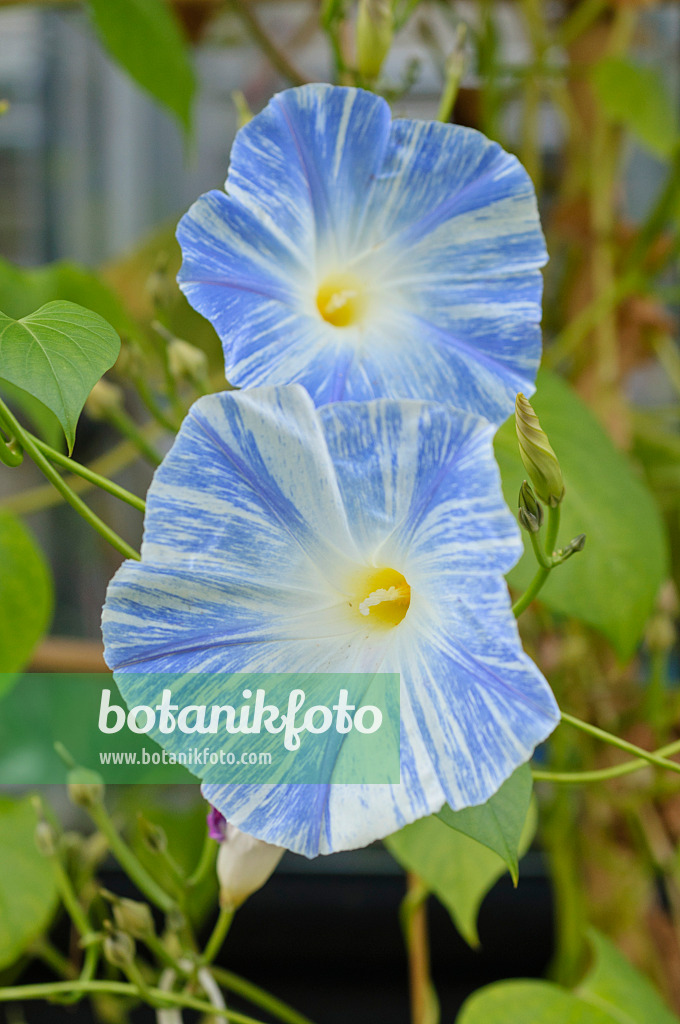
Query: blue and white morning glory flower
367, 258
356, 537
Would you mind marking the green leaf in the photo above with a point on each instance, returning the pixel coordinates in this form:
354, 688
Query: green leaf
24, 289
40, 419
144, 37
637, 97
612, 993
615, 986
25, 594
626, 551
28, 891
498, 823
529, 1002
457, 869
57, 354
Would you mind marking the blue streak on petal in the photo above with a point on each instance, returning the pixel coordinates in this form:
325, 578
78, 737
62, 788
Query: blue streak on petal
439, 220
258, 510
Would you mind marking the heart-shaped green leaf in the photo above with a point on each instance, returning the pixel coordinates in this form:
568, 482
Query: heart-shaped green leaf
144, 37
612, 993
25, 595
58, 354
618, 988
521, 1002
457, 869
638, 97
498, 823
28, 890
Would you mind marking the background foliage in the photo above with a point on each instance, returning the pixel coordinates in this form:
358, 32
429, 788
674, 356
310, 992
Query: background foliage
604, 627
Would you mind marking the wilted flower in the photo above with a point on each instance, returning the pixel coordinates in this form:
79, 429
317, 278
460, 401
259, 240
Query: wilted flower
365, 258
359, 537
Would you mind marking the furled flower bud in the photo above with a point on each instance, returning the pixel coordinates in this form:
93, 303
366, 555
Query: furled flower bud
245, 114
85, 788
153, 835
660, 634
243, 863
538, 457
119, 949
375, 26
160, 285
185, 361
133, 917
104, 399
530, 513
45, 839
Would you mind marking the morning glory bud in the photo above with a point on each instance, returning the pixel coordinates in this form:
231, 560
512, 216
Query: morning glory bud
538, 457
374, 36
119, 949
244, 863
85, 788
154, 836
185, 361
134, 918
160, 285
577, 544
530, 513
45, 839
104, 399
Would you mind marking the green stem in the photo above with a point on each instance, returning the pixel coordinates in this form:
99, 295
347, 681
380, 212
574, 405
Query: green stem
659, 216
69, 898
615, 741
89, 474
530, 152
259, 997
35, 499
277, 58
8, 456
206, 862
602, 774
219, 934
129, 861
582, 16
126, 426
553, 530
541, 556
413, 914
544, 571
55, 478
48, 990
455, 66
152, 942
570, 339
45, 951
657, 689
149, 400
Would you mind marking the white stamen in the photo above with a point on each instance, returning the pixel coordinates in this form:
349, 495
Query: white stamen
377, 597
340, 299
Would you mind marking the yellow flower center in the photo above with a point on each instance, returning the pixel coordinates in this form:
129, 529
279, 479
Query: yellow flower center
382, 597
341, 299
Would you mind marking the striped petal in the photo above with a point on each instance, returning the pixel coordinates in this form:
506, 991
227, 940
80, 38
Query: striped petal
436, 224
257, 518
